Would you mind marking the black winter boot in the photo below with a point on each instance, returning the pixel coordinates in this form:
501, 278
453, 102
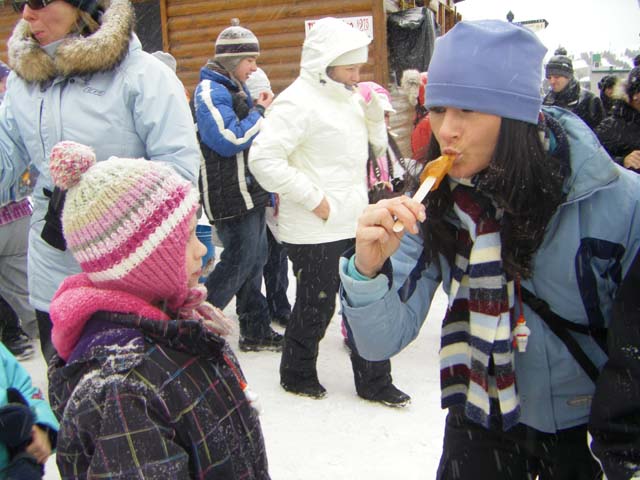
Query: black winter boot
373, 382
298, 372
272, 341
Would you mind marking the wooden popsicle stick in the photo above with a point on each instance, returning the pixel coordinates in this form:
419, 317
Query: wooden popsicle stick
418, 197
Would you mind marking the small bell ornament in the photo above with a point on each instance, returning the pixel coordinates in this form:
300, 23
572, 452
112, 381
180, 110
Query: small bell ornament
521, 334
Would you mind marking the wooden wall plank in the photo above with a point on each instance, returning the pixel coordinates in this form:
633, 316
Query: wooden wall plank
193, 26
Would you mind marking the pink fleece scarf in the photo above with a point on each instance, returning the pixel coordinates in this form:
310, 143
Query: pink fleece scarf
78, 299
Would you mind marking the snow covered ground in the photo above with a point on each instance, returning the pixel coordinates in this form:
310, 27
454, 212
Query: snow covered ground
343, 436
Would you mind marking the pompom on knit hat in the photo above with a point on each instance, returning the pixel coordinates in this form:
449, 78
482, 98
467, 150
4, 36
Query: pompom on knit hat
235, 43
489, 66
559, 64
126, 221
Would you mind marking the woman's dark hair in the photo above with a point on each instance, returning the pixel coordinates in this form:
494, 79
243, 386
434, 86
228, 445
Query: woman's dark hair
522, 179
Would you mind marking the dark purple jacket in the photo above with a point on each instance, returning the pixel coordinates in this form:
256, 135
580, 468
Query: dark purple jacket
140, 398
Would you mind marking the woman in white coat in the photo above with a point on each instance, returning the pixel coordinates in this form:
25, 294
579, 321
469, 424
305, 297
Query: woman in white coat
312, 150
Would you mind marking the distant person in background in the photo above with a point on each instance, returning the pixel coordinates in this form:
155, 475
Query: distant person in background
170, 61
276, 270
619, 133
566, 91
166, 58
607, 86
413, 84
233, 200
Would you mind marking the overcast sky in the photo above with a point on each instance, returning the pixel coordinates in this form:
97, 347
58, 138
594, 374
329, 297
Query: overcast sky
578, 25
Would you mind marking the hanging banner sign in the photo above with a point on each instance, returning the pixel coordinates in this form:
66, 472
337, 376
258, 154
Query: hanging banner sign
364, 24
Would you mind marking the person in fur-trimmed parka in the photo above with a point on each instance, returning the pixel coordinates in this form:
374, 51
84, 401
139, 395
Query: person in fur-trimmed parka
79, 73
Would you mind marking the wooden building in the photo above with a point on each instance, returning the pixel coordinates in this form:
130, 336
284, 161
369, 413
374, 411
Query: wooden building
188, 30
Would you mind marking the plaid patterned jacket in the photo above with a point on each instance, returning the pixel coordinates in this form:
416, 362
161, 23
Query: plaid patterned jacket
146, 399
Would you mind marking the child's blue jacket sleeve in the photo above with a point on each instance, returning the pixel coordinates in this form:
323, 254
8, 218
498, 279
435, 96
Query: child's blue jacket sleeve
14, 375
218, 124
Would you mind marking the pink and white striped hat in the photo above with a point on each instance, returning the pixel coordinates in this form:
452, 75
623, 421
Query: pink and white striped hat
126, 221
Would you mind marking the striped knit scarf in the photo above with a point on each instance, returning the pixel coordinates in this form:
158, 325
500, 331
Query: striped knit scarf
476, 358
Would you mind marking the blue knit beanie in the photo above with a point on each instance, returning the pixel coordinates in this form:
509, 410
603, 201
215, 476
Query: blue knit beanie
489, 66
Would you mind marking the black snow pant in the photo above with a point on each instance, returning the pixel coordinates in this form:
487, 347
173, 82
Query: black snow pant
471, 452
370, 377
9, 321
316, 270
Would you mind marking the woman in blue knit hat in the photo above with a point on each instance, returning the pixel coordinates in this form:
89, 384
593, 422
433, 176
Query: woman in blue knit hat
521, 236
79, 73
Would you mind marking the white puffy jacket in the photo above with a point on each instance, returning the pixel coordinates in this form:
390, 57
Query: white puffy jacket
313, 144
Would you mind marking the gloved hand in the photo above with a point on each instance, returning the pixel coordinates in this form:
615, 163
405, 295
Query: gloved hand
52, 230
16, 420
374, 119
372, 108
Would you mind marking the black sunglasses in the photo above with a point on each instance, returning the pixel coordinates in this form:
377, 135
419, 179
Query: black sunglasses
18, 5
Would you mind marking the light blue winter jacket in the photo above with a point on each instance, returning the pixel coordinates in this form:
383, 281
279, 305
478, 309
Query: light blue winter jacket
590, 243
12, 374
103, 91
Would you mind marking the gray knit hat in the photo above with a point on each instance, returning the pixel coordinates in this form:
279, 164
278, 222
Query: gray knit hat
166, 58
235, 43
559, 64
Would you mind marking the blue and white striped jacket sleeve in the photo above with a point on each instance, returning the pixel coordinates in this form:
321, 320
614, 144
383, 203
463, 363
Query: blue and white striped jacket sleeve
218, 125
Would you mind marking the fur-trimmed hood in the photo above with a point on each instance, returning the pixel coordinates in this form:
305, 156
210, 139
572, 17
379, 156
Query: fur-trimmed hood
99, 52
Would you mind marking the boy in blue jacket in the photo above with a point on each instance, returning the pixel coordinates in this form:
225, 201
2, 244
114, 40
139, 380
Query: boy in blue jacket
228, 120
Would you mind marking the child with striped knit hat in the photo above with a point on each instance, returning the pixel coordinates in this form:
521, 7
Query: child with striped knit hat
144, 385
